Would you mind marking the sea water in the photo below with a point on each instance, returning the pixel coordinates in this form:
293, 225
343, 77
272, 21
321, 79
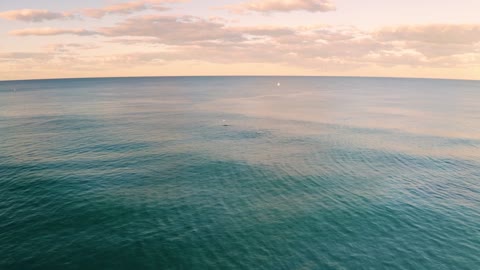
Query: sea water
240, 173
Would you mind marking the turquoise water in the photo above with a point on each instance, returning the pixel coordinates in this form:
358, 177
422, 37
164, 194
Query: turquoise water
240, 173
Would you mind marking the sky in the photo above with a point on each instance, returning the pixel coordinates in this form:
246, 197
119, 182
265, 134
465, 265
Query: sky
114, 38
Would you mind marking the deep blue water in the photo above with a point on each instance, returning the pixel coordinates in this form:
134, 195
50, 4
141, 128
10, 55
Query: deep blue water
240, 173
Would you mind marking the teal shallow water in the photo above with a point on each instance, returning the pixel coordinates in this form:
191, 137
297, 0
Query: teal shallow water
317, 173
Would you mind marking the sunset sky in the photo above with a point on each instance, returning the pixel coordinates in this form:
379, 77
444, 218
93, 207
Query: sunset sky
103, 38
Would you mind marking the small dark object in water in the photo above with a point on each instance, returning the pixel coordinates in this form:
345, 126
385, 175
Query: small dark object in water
225, 125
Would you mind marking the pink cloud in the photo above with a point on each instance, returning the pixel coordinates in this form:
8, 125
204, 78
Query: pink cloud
39, 15
48, 31
172, 29
128, 7
268, 6
32, 15
434, 33
149, 39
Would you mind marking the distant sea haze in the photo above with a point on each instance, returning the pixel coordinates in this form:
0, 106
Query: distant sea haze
240, 173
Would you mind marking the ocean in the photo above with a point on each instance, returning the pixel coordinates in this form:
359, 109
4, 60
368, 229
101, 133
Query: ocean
240, 173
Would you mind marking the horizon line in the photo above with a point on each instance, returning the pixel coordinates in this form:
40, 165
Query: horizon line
232, 76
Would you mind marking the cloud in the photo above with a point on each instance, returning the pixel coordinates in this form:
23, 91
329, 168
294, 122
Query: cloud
32, 15
47, 31
69, 47
128, 7
268, 6
148, 40
433, 33
40, 15
192, 30
437, 45
186, 29
24, 55
199, 39
195, 38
